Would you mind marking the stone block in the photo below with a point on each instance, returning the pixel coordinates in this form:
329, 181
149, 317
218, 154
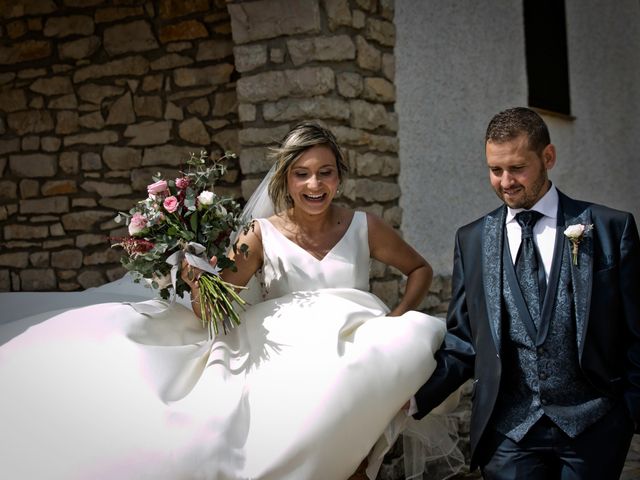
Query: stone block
381, 31
67, 259
273, 85
103, 137
38, 279
194, 131
199, 108
106, 189
214, 50
30, 121
89, 240
8, 190
371, 190
173, 112
322, 49
67, 122
135, 36
9, 146
259, 20
85, 220
246, 112
94, 93
52, 86
166, 155
338, 13
121, 111
389, 66
39, 259
5, 281
26, 51
29, 188
227, 140
393, 216
255, 160
44, 205
109, 255
249, 57
12, 100
368, 56
69, 162
66, 102
136, 65
70, 25
170, 61
112, 14
368, 115
152, 83
359, 19
148, 106
14, 260
262, 136
371, 164
387, 291
25, 232
304, 108
93, 121
27, 8
149, 133
91, 278
121, 158
185, 30
349, 84
33, 165
50, 144
178, 8
80, 48
214, 75
56, 230
379, 89
225, 103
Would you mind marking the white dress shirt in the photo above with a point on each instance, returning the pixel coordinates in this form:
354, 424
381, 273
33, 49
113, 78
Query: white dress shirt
544, 231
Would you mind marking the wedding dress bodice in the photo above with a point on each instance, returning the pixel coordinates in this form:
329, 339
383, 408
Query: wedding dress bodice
289, 268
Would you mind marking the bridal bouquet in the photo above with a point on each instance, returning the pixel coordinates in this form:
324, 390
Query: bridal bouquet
184, 219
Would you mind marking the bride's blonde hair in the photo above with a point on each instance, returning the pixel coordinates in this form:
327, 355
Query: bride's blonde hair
300, 138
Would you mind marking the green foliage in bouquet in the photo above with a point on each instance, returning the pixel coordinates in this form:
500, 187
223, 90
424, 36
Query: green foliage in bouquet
184, 218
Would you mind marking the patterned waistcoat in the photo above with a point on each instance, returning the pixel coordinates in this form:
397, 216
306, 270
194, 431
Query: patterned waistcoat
542, 376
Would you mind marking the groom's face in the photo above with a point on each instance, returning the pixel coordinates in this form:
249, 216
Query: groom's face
518, 174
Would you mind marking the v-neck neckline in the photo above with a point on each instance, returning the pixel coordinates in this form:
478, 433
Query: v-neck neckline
329, 252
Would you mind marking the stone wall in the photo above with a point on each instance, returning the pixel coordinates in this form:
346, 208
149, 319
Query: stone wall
97, 95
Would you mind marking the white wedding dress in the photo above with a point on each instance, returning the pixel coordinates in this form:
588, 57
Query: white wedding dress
311, 382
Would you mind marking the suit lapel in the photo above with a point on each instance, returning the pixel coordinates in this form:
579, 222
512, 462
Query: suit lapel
492, 242
581, 274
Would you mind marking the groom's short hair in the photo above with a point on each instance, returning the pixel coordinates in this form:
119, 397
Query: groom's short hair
513, 122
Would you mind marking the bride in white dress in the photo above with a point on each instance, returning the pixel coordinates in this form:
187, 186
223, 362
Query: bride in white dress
313, 380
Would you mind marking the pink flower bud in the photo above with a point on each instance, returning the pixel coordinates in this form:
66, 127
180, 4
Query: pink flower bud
170, 204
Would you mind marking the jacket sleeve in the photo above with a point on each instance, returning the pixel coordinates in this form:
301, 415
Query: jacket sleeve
455, 358
630, 295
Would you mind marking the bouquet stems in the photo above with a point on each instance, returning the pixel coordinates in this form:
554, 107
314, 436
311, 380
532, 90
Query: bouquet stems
216, 303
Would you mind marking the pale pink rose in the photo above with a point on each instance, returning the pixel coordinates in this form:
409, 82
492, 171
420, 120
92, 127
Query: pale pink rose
138, 223
182, 182
170, 204
157, 188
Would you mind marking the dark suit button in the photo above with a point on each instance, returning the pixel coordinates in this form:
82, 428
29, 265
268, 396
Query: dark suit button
540, 351
543, 376
545, 401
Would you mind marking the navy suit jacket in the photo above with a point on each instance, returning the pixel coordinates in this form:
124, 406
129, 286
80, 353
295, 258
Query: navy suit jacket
606, 292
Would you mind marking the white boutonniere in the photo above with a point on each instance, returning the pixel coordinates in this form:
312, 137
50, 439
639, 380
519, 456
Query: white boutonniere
575, 234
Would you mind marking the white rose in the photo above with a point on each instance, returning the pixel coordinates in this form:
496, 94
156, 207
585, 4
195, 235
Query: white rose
206, 198
574, 231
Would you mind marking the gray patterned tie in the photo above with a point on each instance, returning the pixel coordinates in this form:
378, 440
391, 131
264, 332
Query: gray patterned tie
530, 277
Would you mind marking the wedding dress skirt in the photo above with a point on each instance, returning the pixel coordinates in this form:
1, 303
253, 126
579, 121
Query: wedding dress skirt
312, 380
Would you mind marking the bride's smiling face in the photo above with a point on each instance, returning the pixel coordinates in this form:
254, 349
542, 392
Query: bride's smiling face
312, 181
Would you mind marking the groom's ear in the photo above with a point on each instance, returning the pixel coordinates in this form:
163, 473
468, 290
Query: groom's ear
549, 156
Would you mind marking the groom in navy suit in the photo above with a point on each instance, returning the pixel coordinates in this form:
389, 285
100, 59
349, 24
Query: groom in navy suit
545, 316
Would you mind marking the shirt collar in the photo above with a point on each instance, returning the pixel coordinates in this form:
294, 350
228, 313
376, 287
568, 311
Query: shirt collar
547, 205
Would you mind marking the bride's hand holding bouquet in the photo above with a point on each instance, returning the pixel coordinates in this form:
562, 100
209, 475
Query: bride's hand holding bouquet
175, 230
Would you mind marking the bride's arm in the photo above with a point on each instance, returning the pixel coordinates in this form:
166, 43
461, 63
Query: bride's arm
386, 246
246, 265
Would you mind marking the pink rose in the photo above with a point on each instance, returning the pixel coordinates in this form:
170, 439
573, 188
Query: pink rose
182, 182
170, 204
157, 188
138, 223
